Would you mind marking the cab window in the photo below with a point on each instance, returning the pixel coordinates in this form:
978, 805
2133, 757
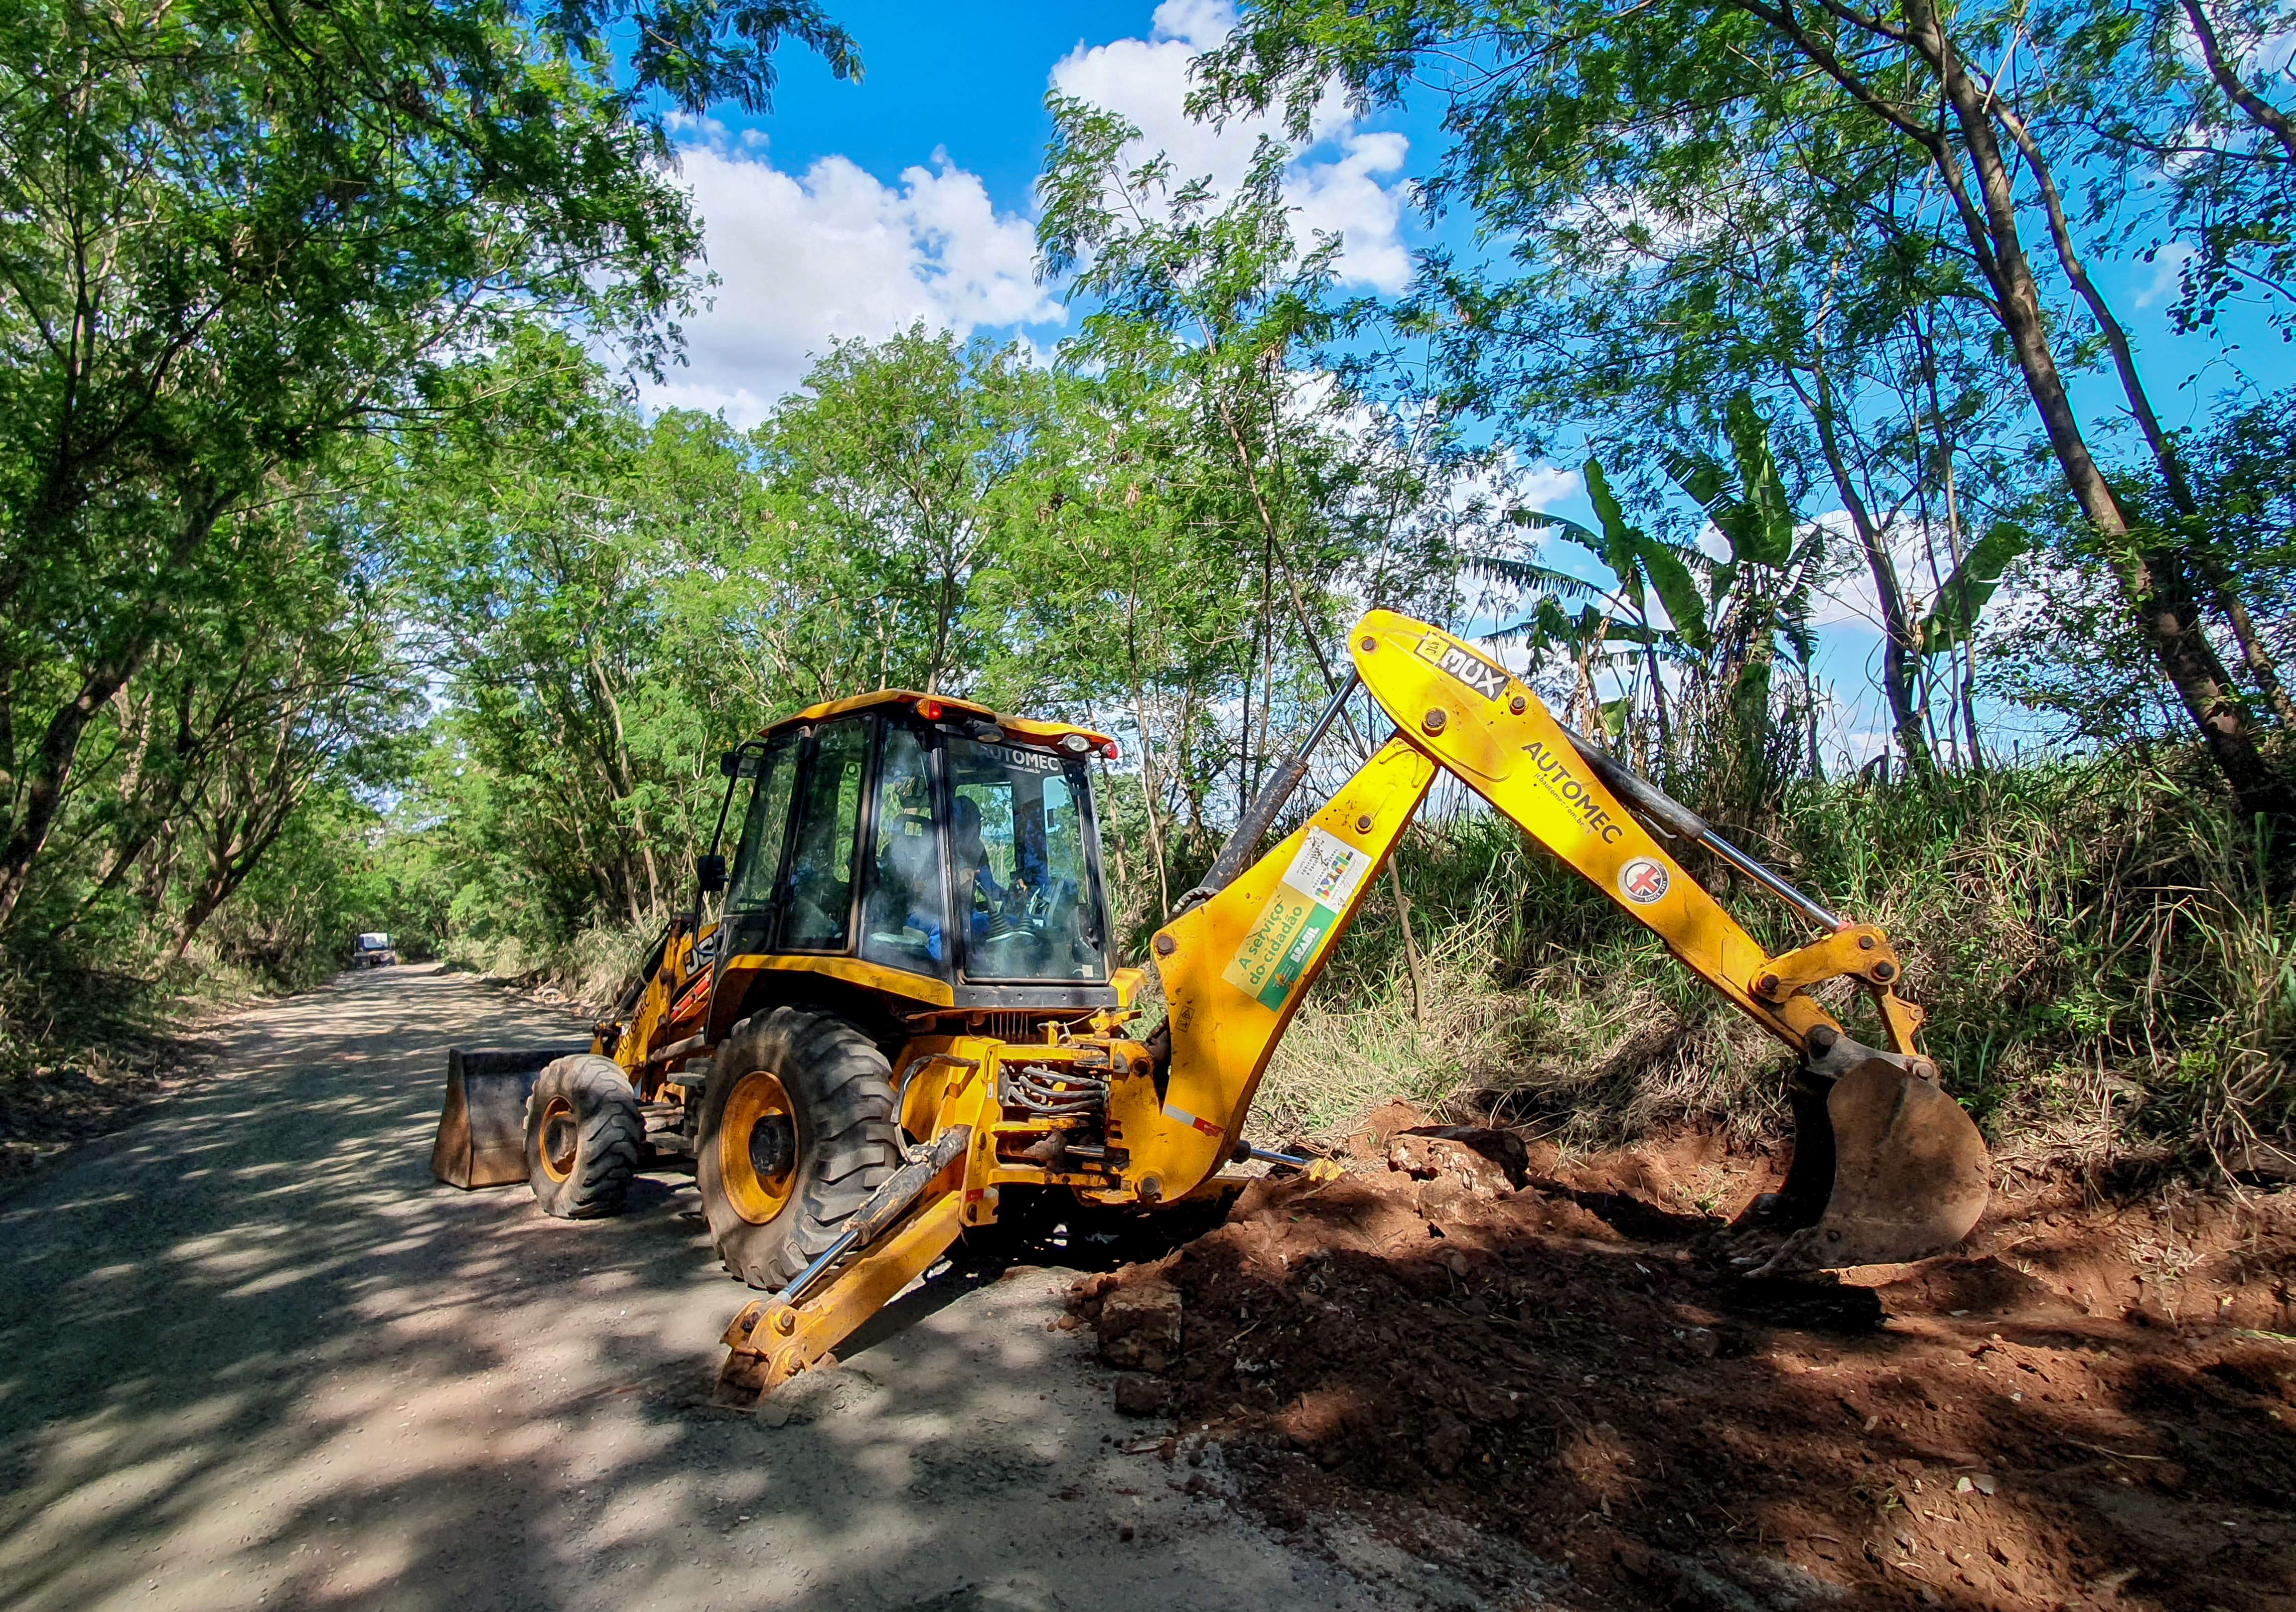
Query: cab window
822, 845
758, 860
908, 904
1025, 904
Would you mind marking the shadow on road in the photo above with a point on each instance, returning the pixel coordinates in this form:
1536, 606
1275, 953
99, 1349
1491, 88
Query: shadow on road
251, 1354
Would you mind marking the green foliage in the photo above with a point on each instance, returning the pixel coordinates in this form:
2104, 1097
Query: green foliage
343, 586
1681, 208
2102, 967
1726, 620
909, 471
1952, 621
245, 253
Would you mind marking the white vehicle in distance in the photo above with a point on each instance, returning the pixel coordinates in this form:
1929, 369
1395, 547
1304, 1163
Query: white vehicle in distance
374, 950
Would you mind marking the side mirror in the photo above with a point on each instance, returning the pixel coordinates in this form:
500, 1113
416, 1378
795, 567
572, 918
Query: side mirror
710, 872
729, 765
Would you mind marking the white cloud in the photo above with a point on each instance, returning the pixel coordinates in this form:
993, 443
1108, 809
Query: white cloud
1547, 486
2166, 278
1344, 180
833, 253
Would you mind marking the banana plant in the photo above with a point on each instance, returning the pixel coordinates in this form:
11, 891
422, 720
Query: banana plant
1760, 596
1642, 565
1952, 618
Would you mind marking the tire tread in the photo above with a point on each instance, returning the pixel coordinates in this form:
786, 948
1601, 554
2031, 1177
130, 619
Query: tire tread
612, 1131
842, 1086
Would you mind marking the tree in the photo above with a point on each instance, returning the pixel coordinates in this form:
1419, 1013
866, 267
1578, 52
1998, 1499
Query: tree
231, 234
895, 482
288, 679
1725, 619
1300, 502
571, 567
1819, 134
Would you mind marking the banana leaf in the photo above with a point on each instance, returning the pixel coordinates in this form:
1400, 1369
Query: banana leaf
1953, 618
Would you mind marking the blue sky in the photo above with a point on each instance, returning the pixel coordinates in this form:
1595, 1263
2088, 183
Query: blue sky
851, 211
854, 210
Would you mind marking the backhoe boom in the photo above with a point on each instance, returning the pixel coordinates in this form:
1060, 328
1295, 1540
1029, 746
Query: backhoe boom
1236, 966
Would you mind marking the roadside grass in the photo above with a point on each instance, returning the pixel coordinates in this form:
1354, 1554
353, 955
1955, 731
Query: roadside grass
2103, 967
589, 967
82, 1048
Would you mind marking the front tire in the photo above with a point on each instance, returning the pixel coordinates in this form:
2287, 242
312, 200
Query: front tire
797, 1130
583, 1133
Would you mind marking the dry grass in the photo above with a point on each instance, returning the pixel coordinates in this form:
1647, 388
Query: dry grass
1342, 1056
2106, 974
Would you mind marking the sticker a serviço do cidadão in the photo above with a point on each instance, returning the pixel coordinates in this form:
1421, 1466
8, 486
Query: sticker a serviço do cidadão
1302, 910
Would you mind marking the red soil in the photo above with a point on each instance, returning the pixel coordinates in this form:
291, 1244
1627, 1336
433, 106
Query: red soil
2087, 1404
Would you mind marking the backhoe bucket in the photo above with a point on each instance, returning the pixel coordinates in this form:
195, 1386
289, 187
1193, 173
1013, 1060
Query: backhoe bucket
482, 1129
1886, 1168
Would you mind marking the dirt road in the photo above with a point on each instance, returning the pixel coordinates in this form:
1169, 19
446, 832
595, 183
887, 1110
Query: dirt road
252, 1356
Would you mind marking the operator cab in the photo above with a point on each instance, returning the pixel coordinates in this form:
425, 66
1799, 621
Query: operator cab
924, 846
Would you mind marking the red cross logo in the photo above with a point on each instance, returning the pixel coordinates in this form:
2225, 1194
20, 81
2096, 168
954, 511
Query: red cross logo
1643, 880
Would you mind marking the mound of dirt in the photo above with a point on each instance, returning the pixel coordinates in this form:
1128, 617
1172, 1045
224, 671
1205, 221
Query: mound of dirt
2086, 1405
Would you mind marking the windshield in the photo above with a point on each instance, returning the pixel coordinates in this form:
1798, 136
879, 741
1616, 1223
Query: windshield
1025, 901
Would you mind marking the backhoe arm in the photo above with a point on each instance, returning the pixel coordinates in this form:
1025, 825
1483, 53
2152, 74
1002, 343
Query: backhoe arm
1484, 726
1236, 966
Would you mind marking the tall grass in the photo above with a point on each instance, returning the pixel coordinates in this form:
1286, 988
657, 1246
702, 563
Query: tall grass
589, 967
2103, 967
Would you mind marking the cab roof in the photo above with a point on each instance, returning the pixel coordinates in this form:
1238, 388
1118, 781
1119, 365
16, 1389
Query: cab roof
944, 708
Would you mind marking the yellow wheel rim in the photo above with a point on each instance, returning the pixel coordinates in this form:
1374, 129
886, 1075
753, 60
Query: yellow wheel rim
562, 1137
757, 1146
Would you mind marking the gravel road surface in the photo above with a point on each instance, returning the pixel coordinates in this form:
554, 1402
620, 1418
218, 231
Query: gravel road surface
251, 1355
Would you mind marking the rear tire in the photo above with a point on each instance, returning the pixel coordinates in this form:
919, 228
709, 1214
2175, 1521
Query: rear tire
583, 1133
797, 1130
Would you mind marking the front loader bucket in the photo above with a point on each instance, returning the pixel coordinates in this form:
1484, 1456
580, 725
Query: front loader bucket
1902, 1172
482, 1129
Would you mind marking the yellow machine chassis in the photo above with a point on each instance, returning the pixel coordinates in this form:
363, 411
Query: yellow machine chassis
1236, 967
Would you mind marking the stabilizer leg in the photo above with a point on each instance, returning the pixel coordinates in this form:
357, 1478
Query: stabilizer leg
772, 1340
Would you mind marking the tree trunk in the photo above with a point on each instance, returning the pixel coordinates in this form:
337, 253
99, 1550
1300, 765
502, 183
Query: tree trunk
43, 790
2255, 656
1148, 794
2163, 618
1897, 644
2261, 111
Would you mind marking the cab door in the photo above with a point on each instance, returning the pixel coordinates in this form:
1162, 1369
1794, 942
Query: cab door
752, 904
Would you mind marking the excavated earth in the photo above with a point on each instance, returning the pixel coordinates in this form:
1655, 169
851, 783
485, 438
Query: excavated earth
1558, 1383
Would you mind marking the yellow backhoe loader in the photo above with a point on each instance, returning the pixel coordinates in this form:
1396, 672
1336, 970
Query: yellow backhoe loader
908, 1008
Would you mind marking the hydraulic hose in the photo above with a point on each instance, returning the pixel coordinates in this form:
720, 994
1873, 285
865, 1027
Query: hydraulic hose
1649, 801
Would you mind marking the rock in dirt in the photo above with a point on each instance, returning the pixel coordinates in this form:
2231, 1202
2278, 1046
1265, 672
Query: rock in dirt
1137, 1394
1369, 1140
1960, 1288
1575, 1366
1140, 1326
1485, 1162
2261, 1162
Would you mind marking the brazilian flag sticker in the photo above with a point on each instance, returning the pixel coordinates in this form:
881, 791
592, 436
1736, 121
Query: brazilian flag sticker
1301, 914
